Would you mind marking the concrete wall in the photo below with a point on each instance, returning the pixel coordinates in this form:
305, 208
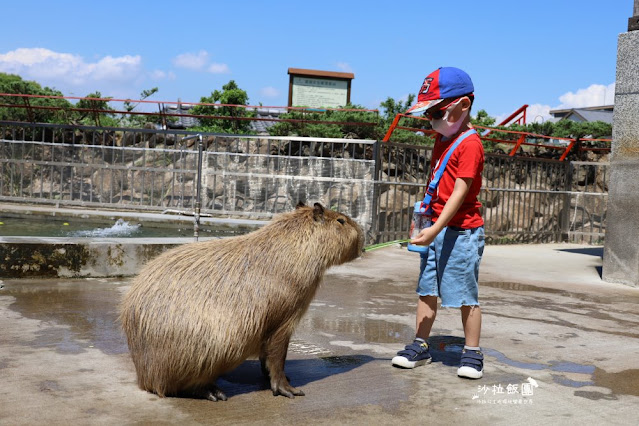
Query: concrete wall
31, 257
621, 252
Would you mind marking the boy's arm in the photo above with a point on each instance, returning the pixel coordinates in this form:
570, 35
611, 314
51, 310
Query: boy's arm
462, 186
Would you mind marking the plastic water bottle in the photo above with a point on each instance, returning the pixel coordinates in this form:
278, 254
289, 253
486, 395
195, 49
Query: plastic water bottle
421, 220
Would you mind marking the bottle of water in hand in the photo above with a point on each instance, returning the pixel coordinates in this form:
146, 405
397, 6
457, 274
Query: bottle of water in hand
421, 220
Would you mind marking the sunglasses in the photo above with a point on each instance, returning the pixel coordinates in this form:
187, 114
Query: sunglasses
438, 113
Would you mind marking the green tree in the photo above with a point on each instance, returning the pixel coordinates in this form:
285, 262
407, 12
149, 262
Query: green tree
29, 108
92, 113
133, 120
482, 119
390, 108
230, 95
567, 129
304, 123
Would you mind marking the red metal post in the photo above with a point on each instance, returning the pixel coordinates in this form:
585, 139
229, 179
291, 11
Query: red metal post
521, 140
392, 128
568, 148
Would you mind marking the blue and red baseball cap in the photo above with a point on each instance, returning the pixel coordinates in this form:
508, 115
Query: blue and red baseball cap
443, 83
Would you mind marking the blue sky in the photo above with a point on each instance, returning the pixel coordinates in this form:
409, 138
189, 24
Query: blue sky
548, 54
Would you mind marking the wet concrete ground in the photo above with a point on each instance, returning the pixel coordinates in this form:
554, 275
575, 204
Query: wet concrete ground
560, 345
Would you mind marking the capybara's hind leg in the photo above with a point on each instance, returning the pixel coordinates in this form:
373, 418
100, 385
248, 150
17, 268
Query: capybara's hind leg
264, 369
272, 360
263, 364
212, 393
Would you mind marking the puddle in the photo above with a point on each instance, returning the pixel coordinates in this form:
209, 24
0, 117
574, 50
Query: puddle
612, 294
570, 383
76, 315
577, 305
521, 287
343, 363
560, 366
622, 383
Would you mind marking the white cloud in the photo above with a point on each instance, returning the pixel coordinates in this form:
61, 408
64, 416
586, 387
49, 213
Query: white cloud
162, 75
269, 92
72, 75
594, 95
200, 62
344, 67
219, 69
192, 61
538, 113
115, 69
54, 68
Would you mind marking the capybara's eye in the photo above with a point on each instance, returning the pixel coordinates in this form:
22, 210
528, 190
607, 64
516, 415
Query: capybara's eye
342, 221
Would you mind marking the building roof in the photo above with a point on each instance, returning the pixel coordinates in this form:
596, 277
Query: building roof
585, 115
180, 122
261, 127
598, 113
560, 112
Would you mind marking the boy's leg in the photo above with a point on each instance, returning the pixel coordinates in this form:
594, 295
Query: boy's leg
472, 359
426, 312
459, 262
471, 320
416, 353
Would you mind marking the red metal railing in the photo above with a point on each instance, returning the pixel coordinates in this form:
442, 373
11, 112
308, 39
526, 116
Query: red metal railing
519, 116
519, 138
162, 112
395, 126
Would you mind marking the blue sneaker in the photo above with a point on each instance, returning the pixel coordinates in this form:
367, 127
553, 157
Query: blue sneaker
472, 364
413, 355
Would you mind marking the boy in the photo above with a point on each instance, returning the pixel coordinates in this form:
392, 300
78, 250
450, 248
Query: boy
450, 266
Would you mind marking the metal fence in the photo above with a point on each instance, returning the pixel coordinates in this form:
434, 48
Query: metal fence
158, 170
524, 199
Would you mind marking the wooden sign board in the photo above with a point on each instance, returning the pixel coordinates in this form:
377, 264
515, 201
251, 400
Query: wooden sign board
317, 89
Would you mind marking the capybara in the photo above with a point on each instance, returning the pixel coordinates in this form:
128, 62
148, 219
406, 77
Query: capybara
199, 310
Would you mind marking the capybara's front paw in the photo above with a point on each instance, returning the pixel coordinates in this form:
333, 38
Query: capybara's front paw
286, 389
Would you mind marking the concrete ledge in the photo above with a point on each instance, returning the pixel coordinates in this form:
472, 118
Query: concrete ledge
34, 257
52, 257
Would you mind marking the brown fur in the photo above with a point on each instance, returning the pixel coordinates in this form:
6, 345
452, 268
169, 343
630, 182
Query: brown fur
199, 310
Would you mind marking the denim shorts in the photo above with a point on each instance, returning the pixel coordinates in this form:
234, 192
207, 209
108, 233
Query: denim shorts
450, 267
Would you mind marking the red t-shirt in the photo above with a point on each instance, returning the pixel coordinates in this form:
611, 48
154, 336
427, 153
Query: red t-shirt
467, 161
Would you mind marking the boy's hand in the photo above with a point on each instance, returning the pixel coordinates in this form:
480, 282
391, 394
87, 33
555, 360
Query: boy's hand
426, 236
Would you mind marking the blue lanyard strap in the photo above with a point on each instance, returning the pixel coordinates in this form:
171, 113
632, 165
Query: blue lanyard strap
432, 186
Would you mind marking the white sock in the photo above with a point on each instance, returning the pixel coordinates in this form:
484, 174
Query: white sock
420, 339
472, 348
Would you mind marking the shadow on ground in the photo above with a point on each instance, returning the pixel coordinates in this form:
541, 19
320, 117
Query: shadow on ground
589, 251
248, 377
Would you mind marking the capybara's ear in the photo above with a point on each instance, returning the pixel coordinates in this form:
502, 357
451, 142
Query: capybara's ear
300, 204
318, 211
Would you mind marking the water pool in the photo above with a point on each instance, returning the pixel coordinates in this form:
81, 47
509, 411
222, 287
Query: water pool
43, 226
